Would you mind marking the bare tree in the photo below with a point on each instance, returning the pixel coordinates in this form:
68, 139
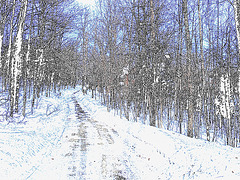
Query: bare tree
236, 6
26, 62
189, 56
3, 18
17, 59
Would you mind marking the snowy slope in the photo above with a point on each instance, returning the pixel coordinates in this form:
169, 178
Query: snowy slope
179, 156
81, 140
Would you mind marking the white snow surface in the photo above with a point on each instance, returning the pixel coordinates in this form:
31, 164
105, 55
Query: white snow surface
60, 142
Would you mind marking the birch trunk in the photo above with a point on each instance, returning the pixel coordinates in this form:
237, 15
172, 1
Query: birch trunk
202, 99
8, 61
26, 69
17, 59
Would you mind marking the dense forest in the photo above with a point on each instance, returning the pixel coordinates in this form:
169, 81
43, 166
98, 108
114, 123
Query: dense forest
169, 64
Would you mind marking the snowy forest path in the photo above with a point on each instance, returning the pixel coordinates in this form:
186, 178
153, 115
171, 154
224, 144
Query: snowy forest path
100, 151
87, 149
93, 150
96, 145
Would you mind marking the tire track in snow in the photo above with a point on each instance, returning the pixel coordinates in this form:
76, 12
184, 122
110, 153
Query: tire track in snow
78, 145
118, 159
99, 157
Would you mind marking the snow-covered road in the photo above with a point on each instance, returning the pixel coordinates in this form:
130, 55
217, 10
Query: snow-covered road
89, 150
81, 140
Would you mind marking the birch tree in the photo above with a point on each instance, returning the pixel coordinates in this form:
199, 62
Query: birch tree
17, 60
8, 63
26, 68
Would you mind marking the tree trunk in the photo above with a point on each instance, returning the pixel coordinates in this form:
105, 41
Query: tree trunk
190, 87
161, 114
2, 25
8, 60
236, 6
178, 59
26, 69
17, 60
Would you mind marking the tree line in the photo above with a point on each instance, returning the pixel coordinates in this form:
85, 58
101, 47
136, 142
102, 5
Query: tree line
170, 64
37, 53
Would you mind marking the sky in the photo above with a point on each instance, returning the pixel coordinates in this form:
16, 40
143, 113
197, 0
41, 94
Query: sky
86, 2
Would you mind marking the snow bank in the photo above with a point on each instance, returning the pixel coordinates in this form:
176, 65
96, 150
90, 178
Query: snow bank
26, 142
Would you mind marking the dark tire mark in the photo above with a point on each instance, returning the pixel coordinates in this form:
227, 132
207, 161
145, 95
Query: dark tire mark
109, 168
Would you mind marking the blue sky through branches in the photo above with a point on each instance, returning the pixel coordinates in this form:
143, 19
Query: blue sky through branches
87, 2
